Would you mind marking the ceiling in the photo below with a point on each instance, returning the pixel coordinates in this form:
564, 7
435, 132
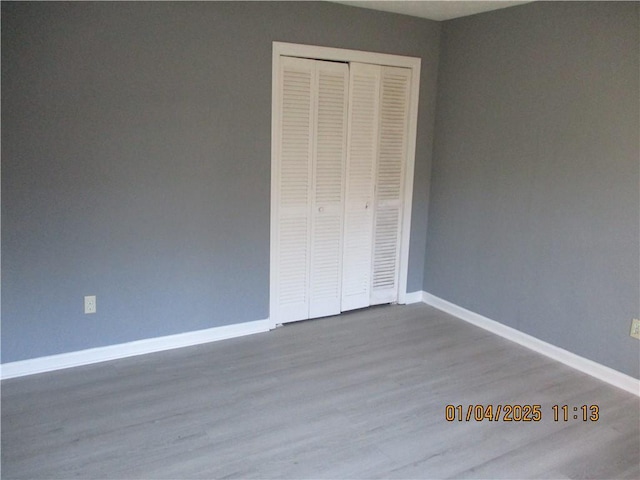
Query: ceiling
434, 10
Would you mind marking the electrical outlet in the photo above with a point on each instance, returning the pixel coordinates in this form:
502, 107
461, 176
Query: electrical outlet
90, 304
635, 328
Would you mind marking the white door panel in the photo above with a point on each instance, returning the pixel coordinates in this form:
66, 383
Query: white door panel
394, 113
328, 188
364, 100
294, 186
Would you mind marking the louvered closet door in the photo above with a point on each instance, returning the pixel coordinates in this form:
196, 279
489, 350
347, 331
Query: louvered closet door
339, 199
294, 181
378, 122
364, 99
330, 138
310, 182
392, 147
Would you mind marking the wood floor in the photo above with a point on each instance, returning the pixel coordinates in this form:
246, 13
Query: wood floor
361, 395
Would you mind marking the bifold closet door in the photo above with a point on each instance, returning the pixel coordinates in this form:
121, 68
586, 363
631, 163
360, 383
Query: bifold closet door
378, 123
389, 191
364, 110
310, 183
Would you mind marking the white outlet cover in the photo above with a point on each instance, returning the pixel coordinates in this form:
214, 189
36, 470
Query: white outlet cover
635, 328
90, 304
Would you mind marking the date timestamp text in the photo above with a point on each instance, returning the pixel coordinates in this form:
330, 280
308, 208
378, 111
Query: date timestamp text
519, 413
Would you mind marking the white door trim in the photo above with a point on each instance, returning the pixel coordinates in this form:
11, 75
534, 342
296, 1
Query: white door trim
343, 55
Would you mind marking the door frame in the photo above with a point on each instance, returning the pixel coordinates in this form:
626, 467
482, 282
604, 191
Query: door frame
343, 55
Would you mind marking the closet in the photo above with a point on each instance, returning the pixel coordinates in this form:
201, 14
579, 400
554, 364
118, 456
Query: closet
339, 158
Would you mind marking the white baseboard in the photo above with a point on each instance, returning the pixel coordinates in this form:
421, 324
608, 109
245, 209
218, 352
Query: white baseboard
130, 349
414, 297
140, 347
597, 370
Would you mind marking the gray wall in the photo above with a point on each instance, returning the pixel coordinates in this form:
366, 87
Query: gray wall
136, 161
534, 208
